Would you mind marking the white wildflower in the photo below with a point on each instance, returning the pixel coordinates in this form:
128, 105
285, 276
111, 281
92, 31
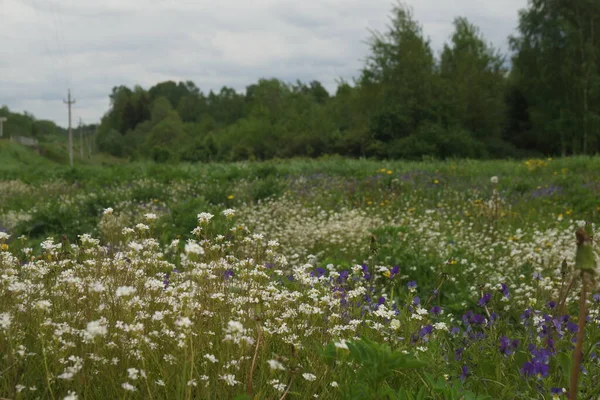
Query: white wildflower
341, 345
235, 327
96, 328
43, 305
70, 396
211, 358
193, 247
158, 316
205, 217
309, 377
150, 216
135, 246
229, 379
97, 287
229, 212
275, 365
128, 386
124, 291
183, 322
440, 326
5, 320
133, 373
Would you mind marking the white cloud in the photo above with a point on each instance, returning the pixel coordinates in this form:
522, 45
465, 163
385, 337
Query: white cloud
92, 46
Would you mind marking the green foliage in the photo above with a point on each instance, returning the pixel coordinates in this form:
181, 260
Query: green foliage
450, 390
557, 75
26, 124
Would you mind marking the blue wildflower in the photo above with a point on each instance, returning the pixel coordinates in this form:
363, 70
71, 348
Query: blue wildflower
426, 330
507, 346
504, 290
458, 353
228, 274
535, 368
464, 372
484, 300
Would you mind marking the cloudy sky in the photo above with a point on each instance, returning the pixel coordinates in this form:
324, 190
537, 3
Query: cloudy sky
92, 45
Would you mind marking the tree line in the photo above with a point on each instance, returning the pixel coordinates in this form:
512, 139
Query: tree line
26, 124
470, 100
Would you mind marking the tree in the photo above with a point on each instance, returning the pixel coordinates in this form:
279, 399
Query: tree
399, 79
472, 75
161, 109
172, 91
556, 57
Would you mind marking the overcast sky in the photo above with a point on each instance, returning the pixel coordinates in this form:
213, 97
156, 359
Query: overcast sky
93, 45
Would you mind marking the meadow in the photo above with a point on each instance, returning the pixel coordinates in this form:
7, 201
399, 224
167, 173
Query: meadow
329, 278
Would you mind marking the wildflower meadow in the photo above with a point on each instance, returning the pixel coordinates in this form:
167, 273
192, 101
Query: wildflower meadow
301, 279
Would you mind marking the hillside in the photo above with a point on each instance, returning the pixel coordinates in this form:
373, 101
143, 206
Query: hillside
14, 157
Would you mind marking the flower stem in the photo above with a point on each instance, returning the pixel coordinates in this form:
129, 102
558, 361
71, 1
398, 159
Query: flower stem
579, 345
258, 337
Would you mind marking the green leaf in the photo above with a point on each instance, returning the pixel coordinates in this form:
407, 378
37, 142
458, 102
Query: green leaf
584, 258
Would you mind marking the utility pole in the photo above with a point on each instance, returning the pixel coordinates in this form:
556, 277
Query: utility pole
80, 139
69, 102
90, 143
2, 120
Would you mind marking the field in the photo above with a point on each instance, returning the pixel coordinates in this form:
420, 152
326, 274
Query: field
329, 279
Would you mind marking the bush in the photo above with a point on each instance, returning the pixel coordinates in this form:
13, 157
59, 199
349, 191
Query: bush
111, 142
458, 143
412, 148
162, 154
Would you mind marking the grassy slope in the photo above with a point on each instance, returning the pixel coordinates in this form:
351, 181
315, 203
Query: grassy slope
52, 155
14, 157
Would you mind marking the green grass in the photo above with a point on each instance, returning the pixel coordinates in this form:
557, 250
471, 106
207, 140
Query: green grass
319, 253
15, 157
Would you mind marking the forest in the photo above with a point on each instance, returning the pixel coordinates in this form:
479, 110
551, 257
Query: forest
407, 102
